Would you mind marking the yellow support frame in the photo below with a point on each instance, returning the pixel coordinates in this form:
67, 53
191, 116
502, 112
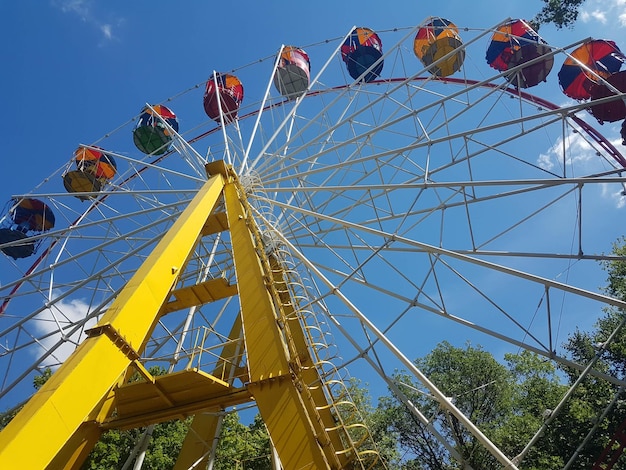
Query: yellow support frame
66, 417
274, 380
196, 449
63, 417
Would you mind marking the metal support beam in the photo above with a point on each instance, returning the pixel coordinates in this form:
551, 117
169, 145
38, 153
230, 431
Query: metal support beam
200, 438
68, 414
272, 380
63, 416
336, 443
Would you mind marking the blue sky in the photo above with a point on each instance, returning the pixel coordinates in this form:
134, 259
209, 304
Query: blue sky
77, 69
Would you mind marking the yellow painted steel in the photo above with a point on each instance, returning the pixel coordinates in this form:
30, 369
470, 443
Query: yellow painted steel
336, 443
196, 448
216, 223
272, 382
197, 444
66, 417
263, 337
200, 294
62, 416
175, 395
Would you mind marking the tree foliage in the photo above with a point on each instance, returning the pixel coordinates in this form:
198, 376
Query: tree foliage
562, 13
537, 388
591, 398
241, 446
362, 411
510, 401
507, 400
507, 403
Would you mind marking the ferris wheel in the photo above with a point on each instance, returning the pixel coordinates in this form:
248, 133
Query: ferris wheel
406, 190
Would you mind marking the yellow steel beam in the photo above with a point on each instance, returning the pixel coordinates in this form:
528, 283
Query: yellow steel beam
316, 400
66, 417
216, 223
199, 294
272, 380
197, 445
262, 331
203, 394
228, 366
78, 447
62, 417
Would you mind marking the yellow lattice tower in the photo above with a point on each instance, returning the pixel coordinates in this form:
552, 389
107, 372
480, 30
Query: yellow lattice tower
91, 391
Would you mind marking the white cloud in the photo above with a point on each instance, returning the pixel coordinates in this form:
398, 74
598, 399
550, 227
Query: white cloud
544, 161
578, 152
85, 10
79, 7
603, 11
617, 195
106, 30
576, 149
64, 314
581, 158
597, 15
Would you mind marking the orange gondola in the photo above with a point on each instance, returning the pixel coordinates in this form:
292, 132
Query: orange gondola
94, 168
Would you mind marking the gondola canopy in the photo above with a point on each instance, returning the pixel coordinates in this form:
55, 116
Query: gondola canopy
222, 97
582, 70
435, 40
152, 133
293, 72
362, 52
25, 218
514, 44
94, 168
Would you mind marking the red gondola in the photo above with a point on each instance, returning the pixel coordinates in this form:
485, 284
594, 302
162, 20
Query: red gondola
614, 110
222, 97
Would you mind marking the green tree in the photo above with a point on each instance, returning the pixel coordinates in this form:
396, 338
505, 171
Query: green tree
562, 13
41, 379
362, 411
243, 447
536, 388
593, 395
507, 403
474, 381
